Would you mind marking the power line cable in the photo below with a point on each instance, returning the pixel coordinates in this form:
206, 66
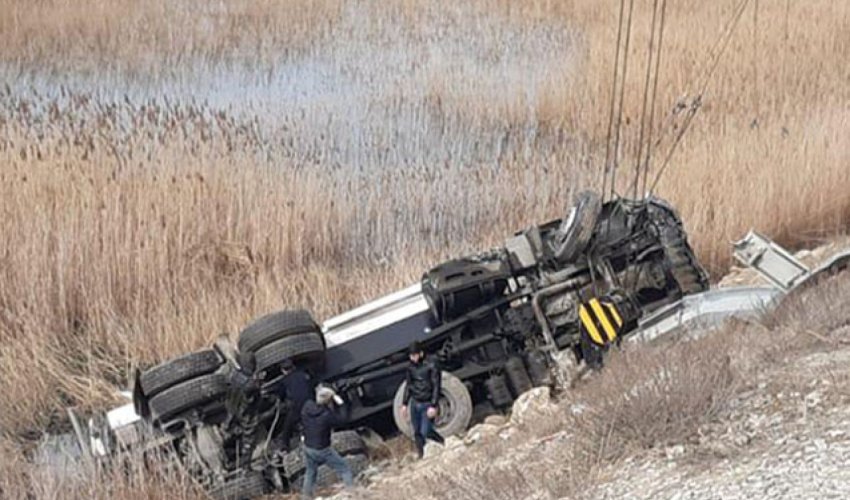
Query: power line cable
646, 84
646, 163
607, 164
722, 44
616, 153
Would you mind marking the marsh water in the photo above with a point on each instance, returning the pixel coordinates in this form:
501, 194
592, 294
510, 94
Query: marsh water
367, 94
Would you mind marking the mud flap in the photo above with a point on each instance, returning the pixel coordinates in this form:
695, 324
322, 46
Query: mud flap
140, 401
602, 324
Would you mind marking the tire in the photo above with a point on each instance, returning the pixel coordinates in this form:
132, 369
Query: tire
185, 396
680, 260
682, 264
275, 326
296, 346
172, 372
518, 376
454, 397
242, 487
325, 476
348, 443
576, 229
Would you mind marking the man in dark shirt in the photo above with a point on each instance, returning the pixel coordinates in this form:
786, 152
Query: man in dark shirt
296, 388
319, 419
422, 396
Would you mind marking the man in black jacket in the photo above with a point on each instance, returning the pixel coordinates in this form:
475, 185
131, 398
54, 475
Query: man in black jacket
296, 388
421, 397
319, 419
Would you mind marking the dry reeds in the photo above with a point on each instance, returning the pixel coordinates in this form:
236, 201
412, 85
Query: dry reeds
382, 138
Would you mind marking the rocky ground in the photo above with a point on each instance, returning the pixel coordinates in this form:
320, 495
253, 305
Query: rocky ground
789, 437
786, 437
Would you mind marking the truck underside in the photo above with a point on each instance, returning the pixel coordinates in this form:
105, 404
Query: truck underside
494, 321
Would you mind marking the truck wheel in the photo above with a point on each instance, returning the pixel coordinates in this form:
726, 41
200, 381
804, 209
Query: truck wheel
299, 346
275, 326
518, 376
680, 260
186, 395
577, 228
172, 372
455, 408
242, 487
348, 443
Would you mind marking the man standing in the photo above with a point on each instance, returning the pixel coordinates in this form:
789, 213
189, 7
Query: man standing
319, 419
421, 396
296, 388
243, 397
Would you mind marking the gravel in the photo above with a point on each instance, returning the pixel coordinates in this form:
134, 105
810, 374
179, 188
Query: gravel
789, 438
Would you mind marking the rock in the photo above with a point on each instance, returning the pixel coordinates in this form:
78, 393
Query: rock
566, 365
408, 459
507, 433
741, 439
433, 449
372, 471
578, 408
479, 432
531, 404
453, 442
673, 452
813, 399
497, 420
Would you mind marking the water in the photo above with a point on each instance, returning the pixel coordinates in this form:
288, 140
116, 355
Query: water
462, 88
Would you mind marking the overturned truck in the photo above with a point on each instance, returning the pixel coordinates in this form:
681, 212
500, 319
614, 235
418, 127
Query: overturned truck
497, 321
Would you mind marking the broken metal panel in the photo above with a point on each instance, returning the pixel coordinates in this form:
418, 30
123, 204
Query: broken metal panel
704, 311
59, 452
770, 260
126, 424
836, 264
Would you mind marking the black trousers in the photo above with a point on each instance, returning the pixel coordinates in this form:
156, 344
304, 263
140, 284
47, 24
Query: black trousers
289, 427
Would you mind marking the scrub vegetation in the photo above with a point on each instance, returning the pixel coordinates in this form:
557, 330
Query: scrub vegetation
169, 171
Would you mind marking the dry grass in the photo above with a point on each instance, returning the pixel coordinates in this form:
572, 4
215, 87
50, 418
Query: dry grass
149, 39
128, 477
137, 227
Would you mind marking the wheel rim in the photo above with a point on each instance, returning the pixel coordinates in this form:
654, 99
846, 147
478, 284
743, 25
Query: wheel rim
445, 411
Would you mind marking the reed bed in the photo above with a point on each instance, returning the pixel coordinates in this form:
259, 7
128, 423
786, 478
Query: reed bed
145, 208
